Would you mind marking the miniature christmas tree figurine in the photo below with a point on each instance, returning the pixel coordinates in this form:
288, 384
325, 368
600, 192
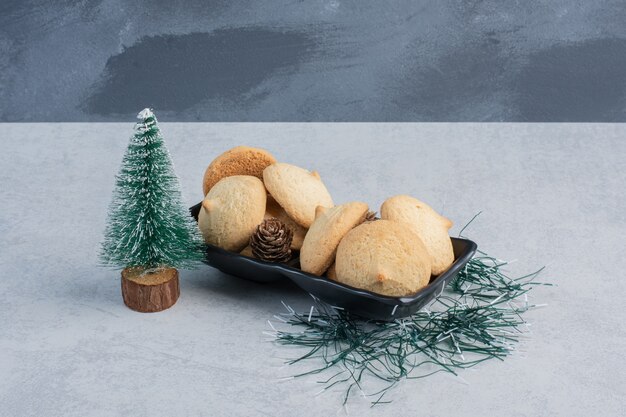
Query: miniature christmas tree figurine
149, 232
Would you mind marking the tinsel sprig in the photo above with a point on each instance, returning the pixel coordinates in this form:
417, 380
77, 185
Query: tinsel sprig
477, 318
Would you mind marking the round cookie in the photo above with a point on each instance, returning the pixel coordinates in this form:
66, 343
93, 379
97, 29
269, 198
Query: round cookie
231, 210
330, 226
429, 225
384, 257
331, 273
297, 190
247, 251
241, 160
273, 209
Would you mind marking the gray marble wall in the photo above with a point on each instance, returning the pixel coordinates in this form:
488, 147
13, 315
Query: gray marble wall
313, 60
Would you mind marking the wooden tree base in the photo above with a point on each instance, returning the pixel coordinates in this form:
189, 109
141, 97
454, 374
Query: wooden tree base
150, 292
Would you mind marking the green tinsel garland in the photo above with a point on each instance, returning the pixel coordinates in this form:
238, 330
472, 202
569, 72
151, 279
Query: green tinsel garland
478, 317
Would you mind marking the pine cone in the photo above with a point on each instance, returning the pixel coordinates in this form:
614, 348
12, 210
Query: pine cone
271, 241
370, 217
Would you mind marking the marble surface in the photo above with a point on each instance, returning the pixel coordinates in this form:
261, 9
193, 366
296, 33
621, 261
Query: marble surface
315, 60
551, 194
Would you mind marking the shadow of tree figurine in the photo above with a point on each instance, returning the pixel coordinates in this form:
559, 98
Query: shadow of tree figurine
149, 232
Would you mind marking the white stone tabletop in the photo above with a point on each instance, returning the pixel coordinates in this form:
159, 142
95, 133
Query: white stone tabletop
550, 195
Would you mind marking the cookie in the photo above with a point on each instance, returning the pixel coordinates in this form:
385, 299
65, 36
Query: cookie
240, 160
247, 251
297, 190
231, 211
384, 257
331, 273
429, 225
330, 226
273, 209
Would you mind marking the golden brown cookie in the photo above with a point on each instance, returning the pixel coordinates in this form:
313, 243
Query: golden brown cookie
273, 209
231, 211
429, 225
297, 190
384, 257
330, 226
247, 251
241, 160
331, 273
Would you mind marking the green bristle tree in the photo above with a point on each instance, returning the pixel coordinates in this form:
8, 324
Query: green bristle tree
148, 225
